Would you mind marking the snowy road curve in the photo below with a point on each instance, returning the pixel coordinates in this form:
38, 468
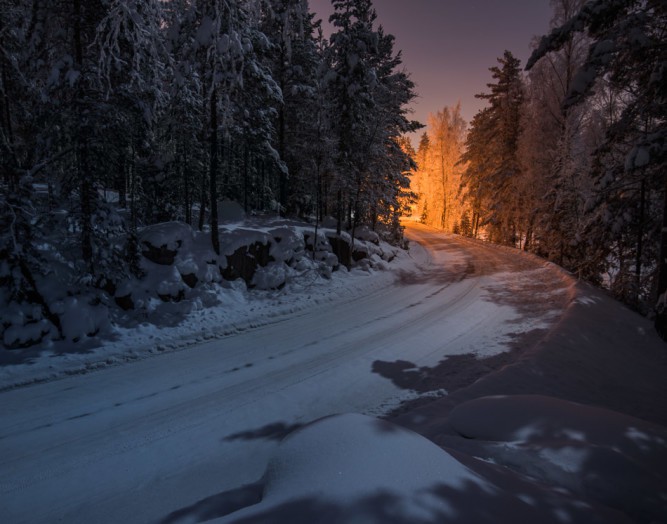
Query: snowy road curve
139, 442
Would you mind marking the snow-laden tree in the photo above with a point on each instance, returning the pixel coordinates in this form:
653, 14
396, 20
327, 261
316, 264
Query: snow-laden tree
479, 162
439, 171
85, 79
221, 45
389, 192
20, 231
628, 53
119, 114
493, 173
183, 123
555, 154
47, 133
369, 95
320, 162
352, 45
133, 67
293, 60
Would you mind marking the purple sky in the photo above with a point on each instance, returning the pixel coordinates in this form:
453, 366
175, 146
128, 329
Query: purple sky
449, 45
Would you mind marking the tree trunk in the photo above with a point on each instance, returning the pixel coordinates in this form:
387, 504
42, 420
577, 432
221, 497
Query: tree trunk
187, 203
122, 182
282, 177
527, 245
202, 203
661, 316
339, 212
86, 199
246, 182
11, 174
213, 173
83, 171
640, 244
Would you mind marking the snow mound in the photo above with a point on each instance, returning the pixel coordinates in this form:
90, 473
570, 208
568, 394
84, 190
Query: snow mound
168, 235
348, 456
353, 468
344, 461
613, 458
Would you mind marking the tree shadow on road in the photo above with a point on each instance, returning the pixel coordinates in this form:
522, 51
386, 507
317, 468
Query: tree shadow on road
460, 504
541, 293
217, 505
274, 431
452, 373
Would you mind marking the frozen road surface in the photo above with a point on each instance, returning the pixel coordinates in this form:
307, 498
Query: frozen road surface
140, 441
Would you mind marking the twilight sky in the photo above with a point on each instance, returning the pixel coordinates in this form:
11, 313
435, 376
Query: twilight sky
449, 45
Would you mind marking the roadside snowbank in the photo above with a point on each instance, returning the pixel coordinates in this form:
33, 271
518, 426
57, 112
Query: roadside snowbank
352, 468
266, 269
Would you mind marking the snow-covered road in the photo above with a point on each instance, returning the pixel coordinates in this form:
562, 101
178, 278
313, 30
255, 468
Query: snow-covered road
142, 441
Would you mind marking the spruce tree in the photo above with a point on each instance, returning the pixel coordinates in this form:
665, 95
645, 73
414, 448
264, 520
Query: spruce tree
492, 153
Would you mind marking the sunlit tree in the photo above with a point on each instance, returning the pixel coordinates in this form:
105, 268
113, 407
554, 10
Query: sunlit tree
439, 170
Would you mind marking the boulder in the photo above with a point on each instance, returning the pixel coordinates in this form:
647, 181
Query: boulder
243, 262
125, 302
341, 248
172, 298
190, 279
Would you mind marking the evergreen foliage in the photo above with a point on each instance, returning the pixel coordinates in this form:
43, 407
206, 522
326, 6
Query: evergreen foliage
569, 162
119, 114
622, 76
492, 176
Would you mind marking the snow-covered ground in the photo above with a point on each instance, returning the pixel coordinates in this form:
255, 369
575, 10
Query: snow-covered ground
293, 281
196, 432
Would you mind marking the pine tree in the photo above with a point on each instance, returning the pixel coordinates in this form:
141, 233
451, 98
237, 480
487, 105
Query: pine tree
369, 94
239, 94
627, 51
493, 172
294, 61
479, 163
555, 154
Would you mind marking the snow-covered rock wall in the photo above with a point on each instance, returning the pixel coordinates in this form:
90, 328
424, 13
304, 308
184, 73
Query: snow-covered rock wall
180, 270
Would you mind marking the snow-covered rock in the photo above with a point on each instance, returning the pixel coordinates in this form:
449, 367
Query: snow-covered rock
80, 317
180, 273
160, 243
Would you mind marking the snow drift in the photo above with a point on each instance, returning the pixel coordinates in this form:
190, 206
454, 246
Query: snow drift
353, 468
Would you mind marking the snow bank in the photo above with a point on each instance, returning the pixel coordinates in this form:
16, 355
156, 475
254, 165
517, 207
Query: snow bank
187, 294
167, 235
352, 468
615, 459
